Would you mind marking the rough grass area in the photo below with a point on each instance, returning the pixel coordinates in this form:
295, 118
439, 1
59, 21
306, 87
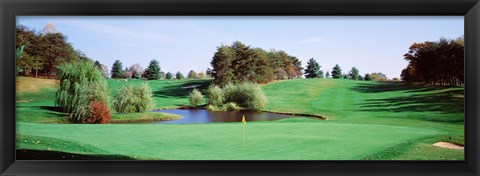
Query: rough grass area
29, 84
367, 121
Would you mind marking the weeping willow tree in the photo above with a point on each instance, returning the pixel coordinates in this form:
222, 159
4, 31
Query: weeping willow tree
80, 83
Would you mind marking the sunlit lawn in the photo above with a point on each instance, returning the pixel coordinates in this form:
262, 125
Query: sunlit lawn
367, 120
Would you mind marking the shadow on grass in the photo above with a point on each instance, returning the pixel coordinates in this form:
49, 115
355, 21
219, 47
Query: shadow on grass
52, 108
181, 90
369, 87
421, 99
23, 154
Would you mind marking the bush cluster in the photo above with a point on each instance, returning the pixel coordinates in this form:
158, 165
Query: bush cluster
235, 97
231, 106
195, 98
245, 95
133, 98
215, 96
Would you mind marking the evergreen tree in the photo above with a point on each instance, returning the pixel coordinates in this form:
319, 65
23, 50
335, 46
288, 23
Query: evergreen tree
313, 69
337, 72
179, 75
192, 75
117, 71
354, 74
153, 70
327, 74
169, 75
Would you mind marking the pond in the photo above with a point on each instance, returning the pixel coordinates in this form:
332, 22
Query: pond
204, 116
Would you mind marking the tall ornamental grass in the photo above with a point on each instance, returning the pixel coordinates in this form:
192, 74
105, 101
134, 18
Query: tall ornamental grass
80, 83
133, 98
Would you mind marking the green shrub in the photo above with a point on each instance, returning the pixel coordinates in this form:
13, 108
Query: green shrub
211, 108
79, 84
133, 98
195, 98
215, 96
245, 95
231, 106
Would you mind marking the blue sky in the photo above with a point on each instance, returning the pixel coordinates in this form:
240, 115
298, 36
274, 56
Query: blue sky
372, 44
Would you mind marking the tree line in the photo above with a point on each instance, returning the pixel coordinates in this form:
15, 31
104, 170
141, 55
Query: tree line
238, 63
152, 72
313, 70
39, 53
436, 62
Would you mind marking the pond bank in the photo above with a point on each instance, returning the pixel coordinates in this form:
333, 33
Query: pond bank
143, 117
268, 111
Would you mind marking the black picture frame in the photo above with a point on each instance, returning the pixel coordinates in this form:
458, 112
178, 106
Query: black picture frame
9, 9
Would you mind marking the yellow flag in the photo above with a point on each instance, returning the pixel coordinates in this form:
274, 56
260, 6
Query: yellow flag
243, 120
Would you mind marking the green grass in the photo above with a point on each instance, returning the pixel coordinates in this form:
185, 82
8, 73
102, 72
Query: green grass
166, 93
367, 121
142, 117
298, 140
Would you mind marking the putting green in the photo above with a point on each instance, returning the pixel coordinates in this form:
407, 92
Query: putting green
229, 141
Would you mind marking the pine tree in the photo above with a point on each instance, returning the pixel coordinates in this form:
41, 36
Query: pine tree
169, 75
179, 75
153, 70
313, 69
337, 72
117, 71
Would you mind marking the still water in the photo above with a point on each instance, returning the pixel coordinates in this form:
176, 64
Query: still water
204, 116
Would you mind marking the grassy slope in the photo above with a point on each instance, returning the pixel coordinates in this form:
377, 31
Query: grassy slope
362, 125
395, 104
166, 93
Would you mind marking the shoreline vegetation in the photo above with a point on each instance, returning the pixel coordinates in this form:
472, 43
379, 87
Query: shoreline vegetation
276, 112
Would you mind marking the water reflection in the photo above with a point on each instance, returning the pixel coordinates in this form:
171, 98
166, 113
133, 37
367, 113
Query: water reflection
204, 116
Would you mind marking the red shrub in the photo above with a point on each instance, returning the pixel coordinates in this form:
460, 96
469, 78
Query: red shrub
99, 113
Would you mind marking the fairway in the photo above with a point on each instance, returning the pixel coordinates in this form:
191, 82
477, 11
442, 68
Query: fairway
367, 120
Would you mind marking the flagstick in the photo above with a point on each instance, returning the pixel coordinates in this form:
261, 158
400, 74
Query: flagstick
244, 135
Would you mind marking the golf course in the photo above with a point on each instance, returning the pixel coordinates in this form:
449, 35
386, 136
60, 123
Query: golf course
363, 120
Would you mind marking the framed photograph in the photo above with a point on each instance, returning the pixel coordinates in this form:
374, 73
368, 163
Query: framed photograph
239, 87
